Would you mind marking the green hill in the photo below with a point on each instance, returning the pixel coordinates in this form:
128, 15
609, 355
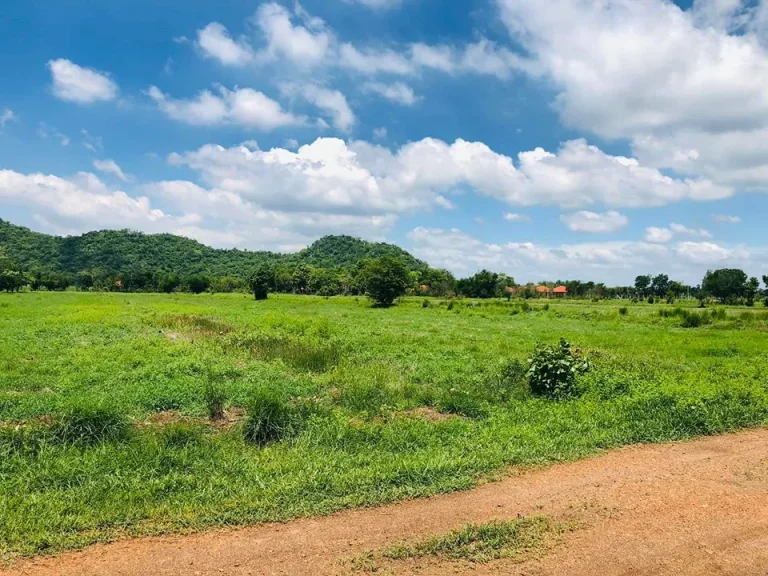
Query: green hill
121, 250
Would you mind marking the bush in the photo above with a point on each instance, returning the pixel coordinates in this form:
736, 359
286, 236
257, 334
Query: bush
651, 300
271, 418
89, 424
553, 370
694, 320
765, 302
425, 303
623, 311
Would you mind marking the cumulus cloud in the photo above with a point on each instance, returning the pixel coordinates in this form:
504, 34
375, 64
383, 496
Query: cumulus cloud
359, 176
332, 102
80, 85
663, 235
242, 106
585, 221
303, 44
610, 262
110, 167
514, 217
397, 92
215, 42
685, 87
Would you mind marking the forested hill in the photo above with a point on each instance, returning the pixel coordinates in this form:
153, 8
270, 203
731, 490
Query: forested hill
120, 250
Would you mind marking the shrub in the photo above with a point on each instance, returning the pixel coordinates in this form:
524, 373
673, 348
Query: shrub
623, 311
525, 307
694, 320
425, 303
385, 280
546, 307
214, 400
450, 305
89, 424
271, 417
651, 300
553, 370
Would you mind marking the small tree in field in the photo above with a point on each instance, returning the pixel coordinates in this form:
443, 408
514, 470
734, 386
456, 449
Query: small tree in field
261, 281
385, 279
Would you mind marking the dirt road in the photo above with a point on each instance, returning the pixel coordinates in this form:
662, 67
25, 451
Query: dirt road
696, 508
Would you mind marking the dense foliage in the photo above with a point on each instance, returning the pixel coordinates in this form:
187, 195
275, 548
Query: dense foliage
553, 370
385, 279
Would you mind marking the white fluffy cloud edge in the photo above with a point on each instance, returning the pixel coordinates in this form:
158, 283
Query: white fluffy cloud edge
281, 199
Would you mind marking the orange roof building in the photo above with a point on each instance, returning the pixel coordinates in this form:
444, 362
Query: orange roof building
542, 289
560, 290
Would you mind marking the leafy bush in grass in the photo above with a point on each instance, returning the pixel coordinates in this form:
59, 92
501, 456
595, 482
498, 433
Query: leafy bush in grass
553, 370
623, 311
89, 424
271, 417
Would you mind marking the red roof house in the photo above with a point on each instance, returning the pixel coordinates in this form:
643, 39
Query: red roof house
560, 291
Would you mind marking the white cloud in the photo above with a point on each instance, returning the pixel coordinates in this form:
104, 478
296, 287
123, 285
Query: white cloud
81, 203
594, 222
377, 4
397, 92
242, 106
110, 167
685, 87
6, 116
663, 235
514, 217
370, 61
74, 83
45, 131
92, 143
725, 218
615, 263
215, 42
332, 102
304, 45
658, 235
680, 229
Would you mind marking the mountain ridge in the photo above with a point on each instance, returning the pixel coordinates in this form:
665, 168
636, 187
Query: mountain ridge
116, 250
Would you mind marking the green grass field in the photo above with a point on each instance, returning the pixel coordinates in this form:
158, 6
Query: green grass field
104, 430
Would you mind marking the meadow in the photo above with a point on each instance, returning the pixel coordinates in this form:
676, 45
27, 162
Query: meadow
106, 402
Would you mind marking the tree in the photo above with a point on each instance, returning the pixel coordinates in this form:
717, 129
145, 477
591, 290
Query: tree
765, 281
642, 283
197, 284
385, 279
261, 280
751, 289
660, 285
724, 284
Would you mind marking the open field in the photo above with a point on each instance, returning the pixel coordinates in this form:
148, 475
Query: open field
105, 431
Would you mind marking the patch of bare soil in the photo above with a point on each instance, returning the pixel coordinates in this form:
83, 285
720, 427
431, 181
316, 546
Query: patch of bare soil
692, 509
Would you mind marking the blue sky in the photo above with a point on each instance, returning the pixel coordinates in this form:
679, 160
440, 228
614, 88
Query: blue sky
559, 139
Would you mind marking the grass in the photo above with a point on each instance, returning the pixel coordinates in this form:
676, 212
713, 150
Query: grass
482, 542
80, 374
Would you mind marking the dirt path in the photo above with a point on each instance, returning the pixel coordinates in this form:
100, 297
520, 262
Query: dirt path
697, 508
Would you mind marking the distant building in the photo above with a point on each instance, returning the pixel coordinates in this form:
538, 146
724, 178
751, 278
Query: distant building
543, 290
560, 291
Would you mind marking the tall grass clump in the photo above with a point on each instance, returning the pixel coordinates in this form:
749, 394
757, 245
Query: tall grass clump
271, 417
623, 311
214, 399
89, 424
301, 354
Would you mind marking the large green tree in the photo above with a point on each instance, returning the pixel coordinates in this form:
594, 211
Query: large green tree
385, 279
724, 284
261, 281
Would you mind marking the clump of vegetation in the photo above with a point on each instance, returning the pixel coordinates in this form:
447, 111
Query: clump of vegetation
462, 403
271, 417
261, 280
385, 279
300, 353
425, 303
88, 424
482, 542
553, 370
214, 399
181, 434
623, 311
